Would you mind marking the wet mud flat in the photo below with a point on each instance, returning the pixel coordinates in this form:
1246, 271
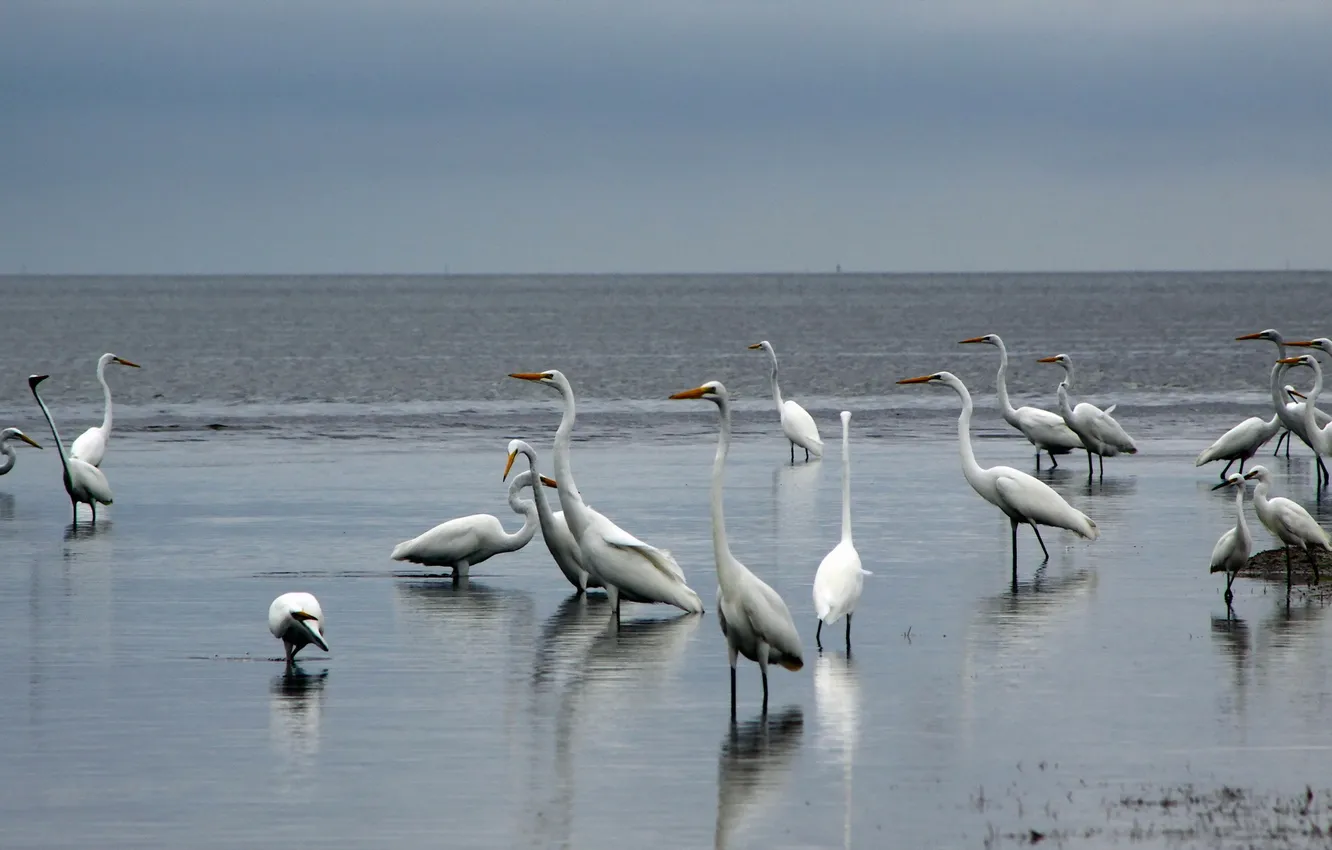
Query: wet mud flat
1270, 565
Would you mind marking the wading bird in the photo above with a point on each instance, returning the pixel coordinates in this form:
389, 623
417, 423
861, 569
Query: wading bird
626, 566
840, 578
297, 620
1231, 553
797, 424
1288, 522
468, 540
554, 527
7, 456
754, 619
91, 444
1042, 428
1101, 435
1291, 415
83, 481
1320, 439
1022, 498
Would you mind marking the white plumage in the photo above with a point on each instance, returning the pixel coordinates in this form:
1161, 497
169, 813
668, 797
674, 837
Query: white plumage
1043, 429
91, 444
7, 451
554, 527
1100, 434
1290, 523
1231, 553
797, 424
297, 620
468, 540
83, 482
840, 577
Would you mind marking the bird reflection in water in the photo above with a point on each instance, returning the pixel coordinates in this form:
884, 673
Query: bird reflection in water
455, 611
566, 635
295, 708
752, 768
837, 695
6, 506
86, 531
1231, 635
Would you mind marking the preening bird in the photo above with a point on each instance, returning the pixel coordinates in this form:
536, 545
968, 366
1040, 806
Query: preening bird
1042, 428
91, 444
840, 578
753, 617
554, 527
1022, 498
626, 566
1101, 435
83, 481
297, 620
7, 456
797, 424
1231, 553
1290, 523
468, 540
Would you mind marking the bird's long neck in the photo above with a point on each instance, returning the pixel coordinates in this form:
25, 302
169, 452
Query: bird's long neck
55, 435
570, 501
544, 513
1310, 423
1065, 406
1001, 385
776, 388
1260, 496
971, 470
106, 394
528, 509
1241, 525
721, 549
846, 483
1278, 397
7, 452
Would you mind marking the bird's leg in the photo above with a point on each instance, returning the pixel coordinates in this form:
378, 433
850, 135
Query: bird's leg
1040, 541
1013, 527
1277, 450
733, 692
763, 671
291, 652
1287, 548
74, 506
1313, 562
1242, 462
806, 455
1229, 464
1287, 445
848, 635
793, 453
1090, 470
1100, 459
817, 633
1054, 463
1038, 459
1229, 597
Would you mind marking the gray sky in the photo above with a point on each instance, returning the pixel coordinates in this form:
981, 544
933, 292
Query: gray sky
664, 135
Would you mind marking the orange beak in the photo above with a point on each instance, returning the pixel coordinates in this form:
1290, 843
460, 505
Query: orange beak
549, 482
1304, 343
755, 345
1290, 361
696, 392
528, 376
973, 339
921, 380
1250, 336
1048, 360
508, 466
123, 362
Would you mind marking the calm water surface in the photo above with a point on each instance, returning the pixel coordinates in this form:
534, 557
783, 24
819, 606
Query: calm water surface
142, 706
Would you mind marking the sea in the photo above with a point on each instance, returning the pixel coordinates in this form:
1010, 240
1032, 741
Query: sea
285, 433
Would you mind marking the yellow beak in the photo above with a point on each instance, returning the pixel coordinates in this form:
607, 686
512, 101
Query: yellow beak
696, 392
755, 346
29, 440
973, 339
123, 362
508, 466
921, 380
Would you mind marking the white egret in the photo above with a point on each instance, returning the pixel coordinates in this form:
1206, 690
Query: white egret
1043, 429
840, 578
626, 566
83, 481
297, 620
1320, 439
91, 444
1290, 523
1100, 433
1231, 553
1241, 442
754, 619
7, 451
797, 424
468, 540
1291, 415
1022, 498
554, 527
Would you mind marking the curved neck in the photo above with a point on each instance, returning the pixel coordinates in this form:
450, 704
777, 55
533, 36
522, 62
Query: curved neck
55, 435
1001, 384
1260, 496
106, 393
970, 468
776, 388
527, 508
570, 501
7, 452
1241, 525
721, 549
544, 513
1310, 423
846, 482
1278, 399
1065, 406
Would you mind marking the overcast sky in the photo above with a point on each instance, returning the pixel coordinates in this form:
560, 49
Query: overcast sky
664, 135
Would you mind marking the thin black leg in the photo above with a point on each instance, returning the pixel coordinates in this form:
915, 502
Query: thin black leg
1287, 445
1038, 459
817, 632
1287, 548
1242, 461
1277, 450
733, 693
1313, 562
806, 455
1229, 464
764, 672
793, 454
1091, 471
1036, 529
93, 505
1230, 597
848, 635
1013, 528
1054, 464
1100, 459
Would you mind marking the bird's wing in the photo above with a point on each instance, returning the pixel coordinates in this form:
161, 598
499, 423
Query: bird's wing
838, 582
1222, 550
1245, 437
621, 539
1035, 500
1111, 409
1104, 427
448, 542
771, 619
90, 446
799, 426
92, 479
1046, 429
1297, 519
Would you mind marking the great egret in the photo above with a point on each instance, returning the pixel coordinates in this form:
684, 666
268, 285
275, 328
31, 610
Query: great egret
83, 481
1043, 429
625, 565
1288, 522
91, 444
754, 619
797, 424
1244, 440
1320, 439
1100, 433
468, 540
296, 619
554, 527
1231, 553
1291, 416
840, 578
1022, 498
7, 451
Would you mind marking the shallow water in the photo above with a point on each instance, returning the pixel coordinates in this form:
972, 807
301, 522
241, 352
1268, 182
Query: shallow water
143, 707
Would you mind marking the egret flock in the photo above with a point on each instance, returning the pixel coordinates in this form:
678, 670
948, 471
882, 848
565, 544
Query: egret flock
594, 553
